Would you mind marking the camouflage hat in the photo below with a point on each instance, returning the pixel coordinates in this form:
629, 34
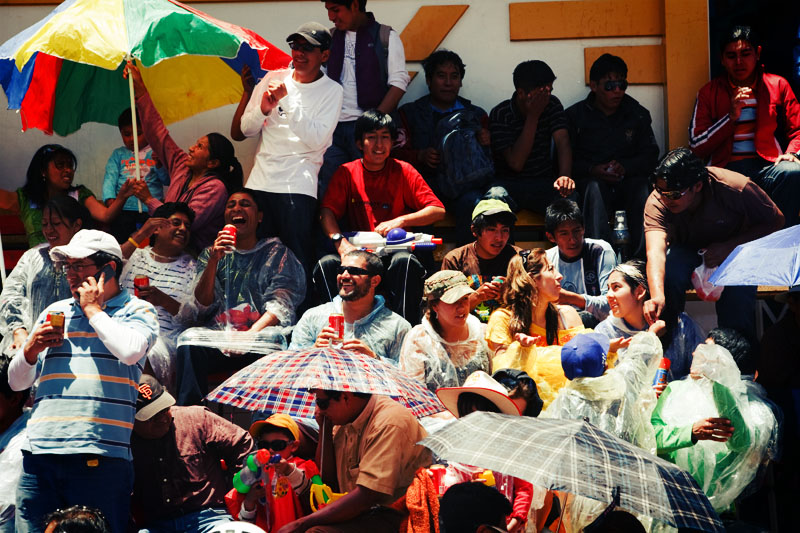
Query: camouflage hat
448, 286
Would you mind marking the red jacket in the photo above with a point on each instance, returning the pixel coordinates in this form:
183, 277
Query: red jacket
711, 129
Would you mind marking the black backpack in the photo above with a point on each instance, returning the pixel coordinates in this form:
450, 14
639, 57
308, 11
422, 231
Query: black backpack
465, 163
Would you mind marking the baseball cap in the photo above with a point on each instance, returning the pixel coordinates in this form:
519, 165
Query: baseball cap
447, 285
279, 420
481, 383
585, 356
313, 32
85, 243
492, 207
152, 399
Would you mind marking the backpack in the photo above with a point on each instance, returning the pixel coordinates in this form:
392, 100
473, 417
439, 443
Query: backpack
465, 163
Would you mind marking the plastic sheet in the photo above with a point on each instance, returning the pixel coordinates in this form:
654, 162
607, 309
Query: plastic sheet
722, 469
11, 468
621, 400
29, 289
428, 358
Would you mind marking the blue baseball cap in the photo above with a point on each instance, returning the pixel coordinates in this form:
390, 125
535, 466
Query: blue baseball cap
585, 356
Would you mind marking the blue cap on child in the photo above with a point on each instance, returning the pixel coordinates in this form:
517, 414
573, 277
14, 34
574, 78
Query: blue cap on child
585, 356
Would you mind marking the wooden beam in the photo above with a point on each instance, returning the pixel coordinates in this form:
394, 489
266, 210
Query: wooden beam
645, 63
426, 31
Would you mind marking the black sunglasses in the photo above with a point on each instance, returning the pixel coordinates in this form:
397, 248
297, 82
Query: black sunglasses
323, 403
302, 47
610, 85
672, 195
353, 271
274, 445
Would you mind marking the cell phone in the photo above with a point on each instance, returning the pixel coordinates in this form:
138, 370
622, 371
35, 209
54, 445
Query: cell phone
107, 270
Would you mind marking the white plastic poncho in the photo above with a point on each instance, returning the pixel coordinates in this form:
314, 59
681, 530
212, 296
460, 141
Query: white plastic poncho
249, 283
621, 400
428, 358
175, 280
29, 289
715, 389
11, 442
685, 337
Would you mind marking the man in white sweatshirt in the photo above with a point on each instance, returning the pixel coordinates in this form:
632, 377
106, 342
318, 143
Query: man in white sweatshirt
295, 111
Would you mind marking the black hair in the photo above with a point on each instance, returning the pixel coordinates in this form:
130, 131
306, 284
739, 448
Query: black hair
560, 211
374, 263
520, 385
168, 209
740, 348
442, 57
529, 75
470, 401
336, 394
371, 121
229, 170
35, 186
362, 4
71, 210
101, 258
469, 505
680, 169
481, 222
126, 119
5, 388
78, 519
608, 64
617, 521
739, 32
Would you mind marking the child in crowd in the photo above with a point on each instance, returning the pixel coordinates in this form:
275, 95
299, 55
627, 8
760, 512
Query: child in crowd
275, 502
121, 167
584, 263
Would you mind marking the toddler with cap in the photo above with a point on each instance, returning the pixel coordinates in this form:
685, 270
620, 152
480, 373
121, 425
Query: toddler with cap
283, 498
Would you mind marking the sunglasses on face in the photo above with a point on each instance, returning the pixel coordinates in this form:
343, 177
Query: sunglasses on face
610, 85
302, 47
274, 445
352, 270
323, 403
672, 195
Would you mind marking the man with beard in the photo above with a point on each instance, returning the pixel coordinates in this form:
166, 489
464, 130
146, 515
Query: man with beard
369, 326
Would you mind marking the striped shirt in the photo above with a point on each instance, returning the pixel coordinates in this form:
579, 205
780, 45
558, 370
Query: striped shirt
175, 279
505, 125
86, 398
744, 132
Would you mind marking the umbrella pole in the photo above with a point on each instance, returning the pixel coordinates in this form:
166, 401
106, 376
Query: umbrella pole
135, 132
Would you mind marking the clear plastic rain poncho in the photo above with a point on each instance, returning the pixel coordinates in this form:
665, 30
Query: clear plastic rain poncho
621, 400
175, 280
715, 389
29, 289
428, 358
249, 283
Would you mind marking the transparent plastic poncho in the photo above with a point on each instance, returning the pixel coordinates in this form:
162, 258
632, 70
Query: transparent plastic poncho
621, 400
715, 389
249, 283
29, 289
428, 358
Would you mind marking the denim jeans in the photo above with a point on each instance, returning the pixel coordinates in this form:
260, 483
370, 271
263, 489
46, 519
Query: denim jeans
343, 150
51, 481
199, 522
781, 182
735, 307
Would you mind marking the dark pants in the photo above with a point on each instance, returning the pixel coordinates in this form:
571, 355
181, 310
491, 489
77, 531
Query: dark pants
376, 520
343, 150
534, 195
127, 222
735, 308
51, 481
195, 363
401, 284
781, 182
599, 201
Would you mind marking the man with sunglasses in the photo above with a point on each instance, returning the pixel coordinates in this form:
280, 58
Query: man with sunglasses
87, 353
370, 327
696, 208
295, 112
614, 150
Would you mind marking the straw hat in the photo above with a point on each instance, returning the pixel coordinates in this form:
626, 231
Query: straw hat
480, 383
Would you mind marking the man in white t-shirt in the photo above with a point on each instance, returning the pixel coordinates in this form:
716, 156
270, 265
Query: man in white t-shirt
295, 111
377, 81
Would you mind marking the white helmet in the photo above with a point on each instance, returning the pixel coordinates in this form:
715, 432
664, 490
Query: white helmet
236, 527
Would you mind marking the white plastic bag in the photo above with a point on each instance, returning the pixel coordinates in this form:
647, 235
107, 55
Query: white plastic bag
707, 291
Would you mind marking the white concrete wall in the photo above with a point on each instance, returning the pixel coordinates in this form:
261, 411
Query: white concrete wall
481, 38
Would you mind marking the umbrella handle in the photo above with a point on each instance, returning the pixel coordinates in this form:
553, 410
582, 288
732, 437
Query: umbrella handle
135, 130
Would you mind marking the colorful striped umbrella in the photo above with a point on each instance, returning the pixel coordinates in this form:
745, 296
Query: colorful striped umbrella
66, 69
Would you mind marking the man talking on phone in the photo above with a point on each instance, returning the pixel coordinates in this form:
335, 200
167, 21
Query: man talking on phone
88, 354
